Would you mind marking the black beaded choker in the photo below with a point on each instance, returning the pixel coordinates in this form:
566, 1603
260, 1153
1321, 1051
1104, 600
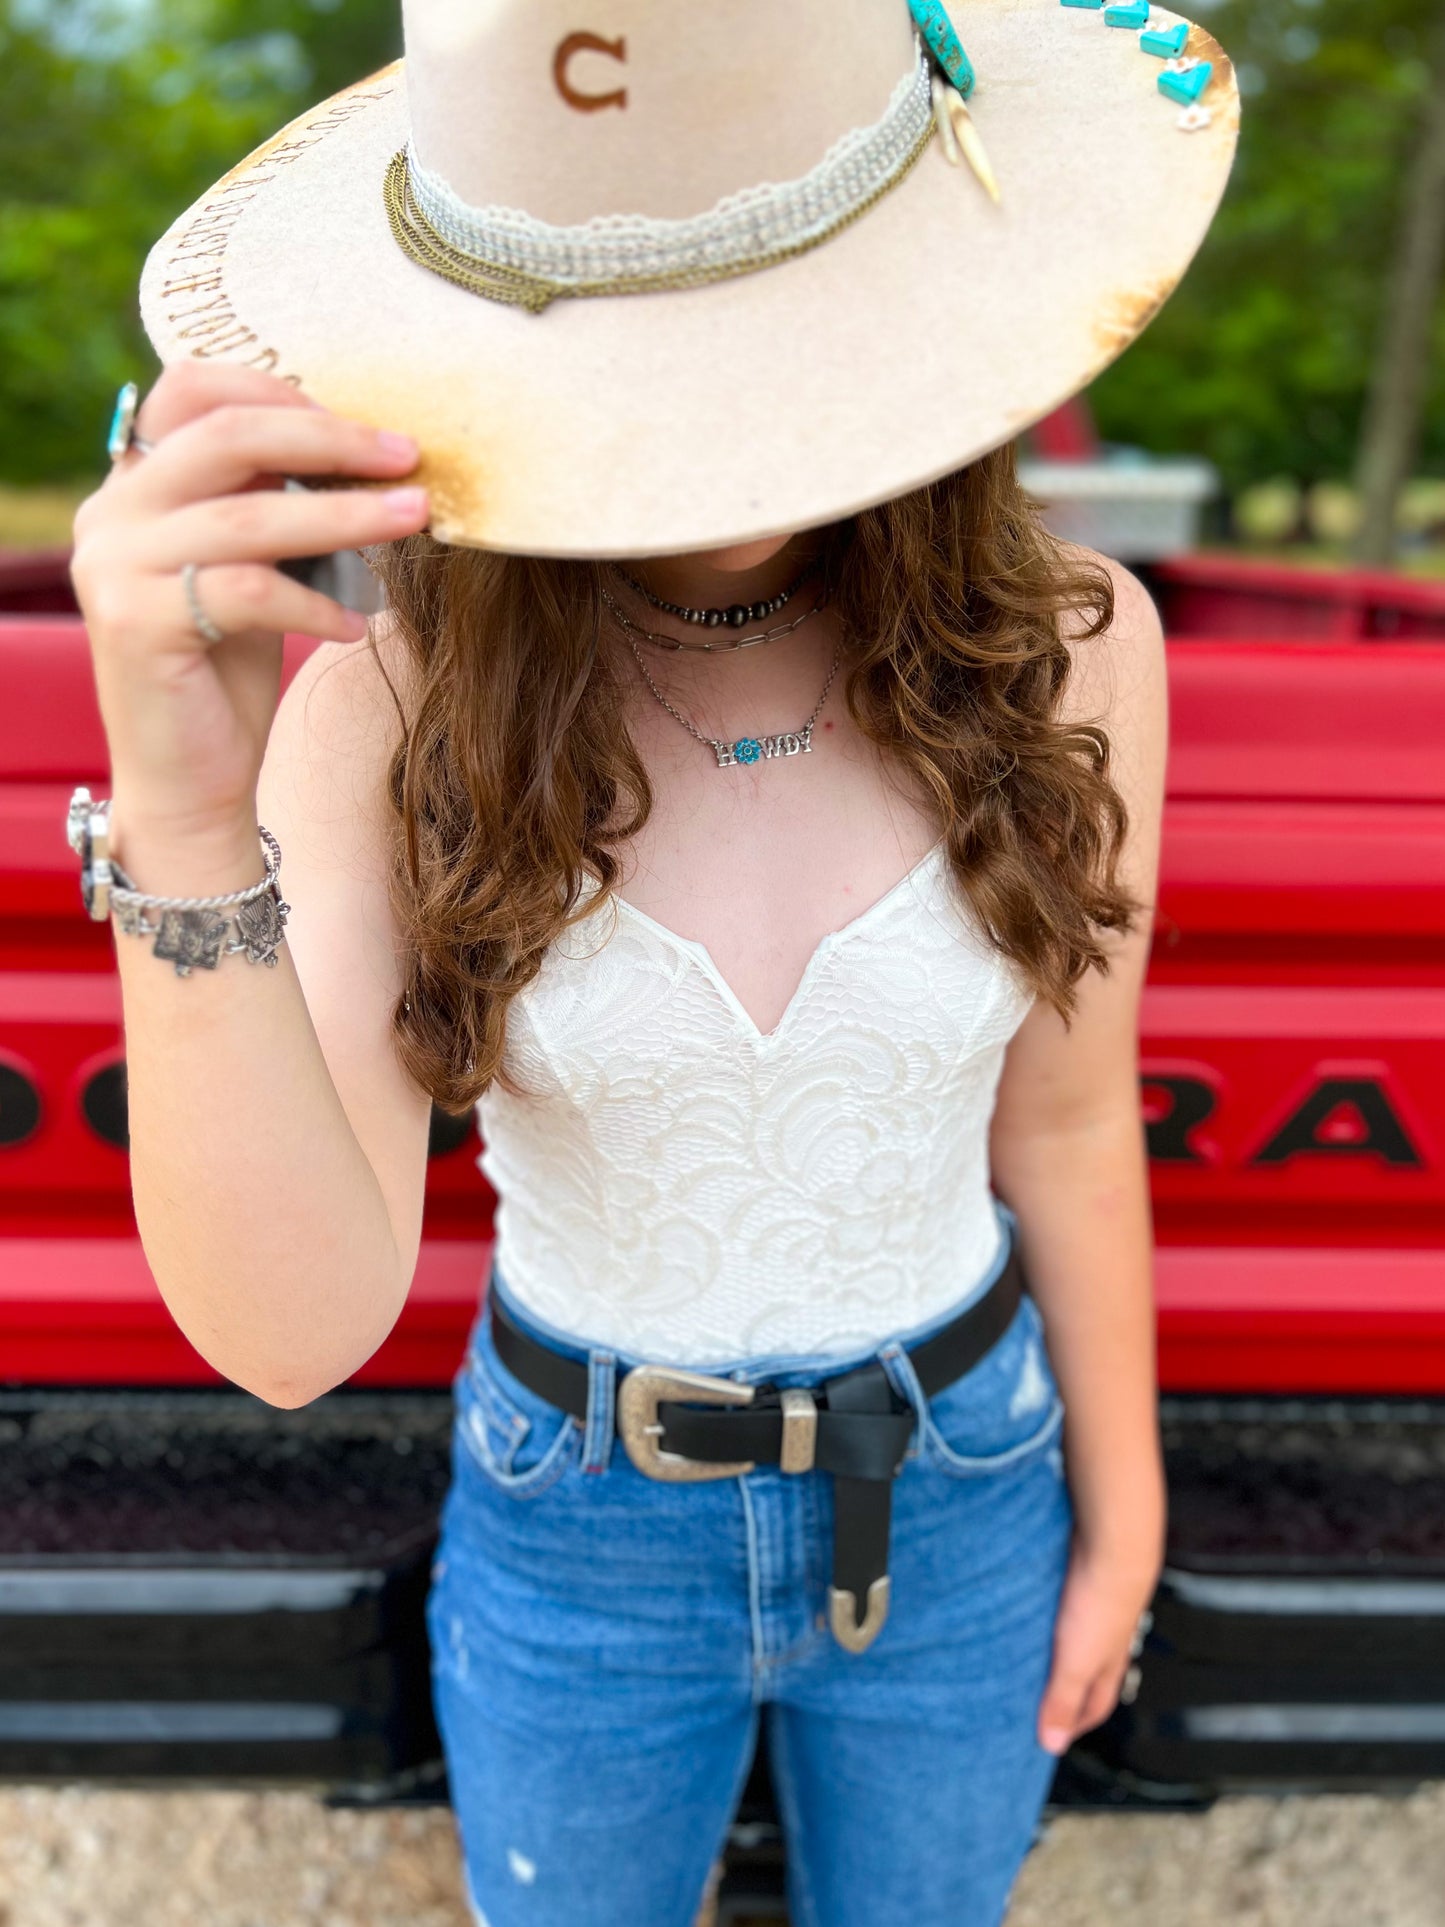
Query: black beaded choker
735, 616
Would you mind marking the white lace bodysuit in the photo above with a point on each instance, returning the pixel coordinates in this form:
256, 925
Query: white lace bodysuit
681, 1186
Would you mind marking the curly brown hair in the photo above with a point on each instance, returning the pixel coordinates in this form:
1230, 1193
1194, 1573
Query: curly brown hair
515, 780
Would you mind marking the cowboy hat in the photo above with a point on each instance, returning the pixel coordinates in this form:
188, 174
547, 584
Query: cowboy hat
643, 277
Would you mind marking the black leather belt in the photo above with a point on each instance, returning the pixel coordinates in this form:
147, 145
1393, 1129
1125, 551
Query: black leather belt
855, 1427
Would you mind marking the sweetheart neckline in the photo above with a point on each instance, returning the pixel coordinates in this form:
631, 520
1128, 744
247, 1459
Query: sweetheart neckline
697, 949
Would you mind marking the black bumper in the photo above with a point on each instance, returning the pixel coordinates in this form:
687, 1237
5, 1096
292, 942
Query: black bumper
1299, 1629
196, 1586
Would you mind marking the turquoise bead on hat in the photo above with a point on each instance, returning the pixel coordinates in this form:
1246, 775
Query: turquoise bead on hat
1188, 86
1095, 4
947, 49
1128, 13
1165, 40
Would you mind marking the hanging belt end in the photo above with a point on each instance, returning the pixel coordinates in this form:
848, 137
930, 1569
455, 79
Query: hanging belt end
853, 1635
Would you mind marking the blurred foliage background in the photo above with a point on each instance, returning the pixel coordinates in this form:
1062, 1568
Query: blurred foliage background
1262, 358
115, 114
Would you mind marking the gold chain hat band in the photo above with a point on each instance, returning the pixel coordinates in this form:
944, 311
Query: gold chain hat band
704, 248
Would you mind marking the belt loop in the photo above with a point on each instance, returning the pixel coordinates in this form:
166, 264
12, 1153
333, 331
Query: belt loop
898, 1366
601, 1406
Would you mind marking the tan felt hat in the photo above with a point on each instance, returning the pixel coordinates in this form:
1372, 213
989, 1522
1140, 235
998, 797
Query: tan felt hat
736, 281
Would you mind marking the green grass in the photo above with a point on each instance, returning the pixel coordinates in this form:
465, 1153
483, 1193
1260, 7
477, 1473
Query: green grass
39, 518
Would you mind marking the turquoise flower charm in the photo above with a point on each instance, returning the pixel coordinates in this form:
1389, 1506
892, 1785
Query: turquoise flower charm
747, 749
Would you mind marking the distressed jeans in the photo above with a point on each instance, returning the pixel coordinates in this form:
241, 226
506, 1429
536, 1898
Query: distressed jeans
607, 1649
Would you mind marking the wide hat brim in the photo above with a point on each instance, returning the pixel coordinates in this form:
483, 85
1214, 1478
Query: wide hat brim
935, 328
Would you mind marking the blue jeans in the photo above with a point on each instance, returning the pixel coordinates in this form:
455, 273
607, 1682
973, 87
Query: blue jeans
605, 1646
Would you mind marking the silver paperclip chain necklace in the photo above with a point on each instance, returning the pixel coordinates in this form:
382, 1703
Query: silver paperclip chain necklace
675, 643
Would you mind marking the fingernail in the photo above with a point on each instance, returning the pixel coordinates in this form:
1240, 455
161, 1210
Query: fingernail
395, 444
405, 501
356, 625
1055, 1738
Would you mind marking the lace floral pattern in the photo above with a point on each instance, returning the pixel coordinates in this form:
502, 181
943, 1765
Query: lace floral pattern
681, 1186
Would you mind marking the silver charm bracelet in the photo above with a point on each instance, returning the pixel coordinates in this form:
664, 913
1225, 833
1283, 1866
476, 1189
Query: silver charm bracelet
190, 931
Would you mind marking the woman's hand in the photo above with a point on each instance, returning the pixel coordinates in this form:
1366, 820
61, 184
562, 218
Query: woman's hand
187, 721
1096, 1634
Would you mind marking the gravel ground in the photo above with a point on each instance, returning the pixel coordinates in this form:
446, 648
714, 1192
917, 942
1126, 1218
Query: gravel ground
86, 1858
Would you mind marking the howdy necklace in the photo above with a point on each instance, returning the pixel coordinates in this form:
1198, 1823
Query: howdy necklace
749, 749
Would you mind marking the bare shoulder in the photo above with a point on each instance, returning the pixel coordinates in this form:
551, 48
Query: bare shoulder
339, 722
1063, 1079
1120, 681
1116, 674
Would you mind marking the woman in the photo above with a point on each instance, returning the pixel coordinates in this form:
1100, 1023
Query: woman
783, 900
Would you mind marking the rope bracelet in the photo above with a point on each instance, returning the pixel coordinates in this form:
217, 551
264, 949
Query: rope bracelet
191, 931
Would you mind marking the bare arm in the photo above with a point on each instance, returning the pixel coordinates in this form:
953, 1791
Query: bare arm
277, 1152
1068, 1153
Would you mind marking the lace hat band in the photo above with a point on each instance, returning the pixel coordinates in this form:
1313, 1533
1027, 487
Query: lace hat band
508, 255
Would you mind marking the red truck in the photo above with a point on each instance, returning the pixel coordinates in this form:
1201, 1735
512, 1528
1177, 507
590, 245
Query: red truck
196, 1585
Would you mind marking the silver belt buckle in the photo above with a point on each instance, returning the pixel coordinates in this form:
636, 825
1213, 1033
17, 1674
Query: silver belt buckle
643, 1389
638, 1397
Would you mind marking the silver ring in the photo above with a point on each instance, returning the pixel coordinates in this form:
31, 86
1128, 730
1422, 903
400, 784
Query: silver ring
200, 620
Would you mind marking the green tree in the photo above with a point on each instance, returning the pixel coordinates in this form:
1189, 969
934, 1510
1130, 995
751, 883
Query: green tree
1261, 358
1394, 424
113, 118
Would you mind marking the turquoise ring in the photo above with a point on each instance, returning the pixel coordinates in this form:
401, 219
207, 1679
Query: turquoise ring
122, 424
